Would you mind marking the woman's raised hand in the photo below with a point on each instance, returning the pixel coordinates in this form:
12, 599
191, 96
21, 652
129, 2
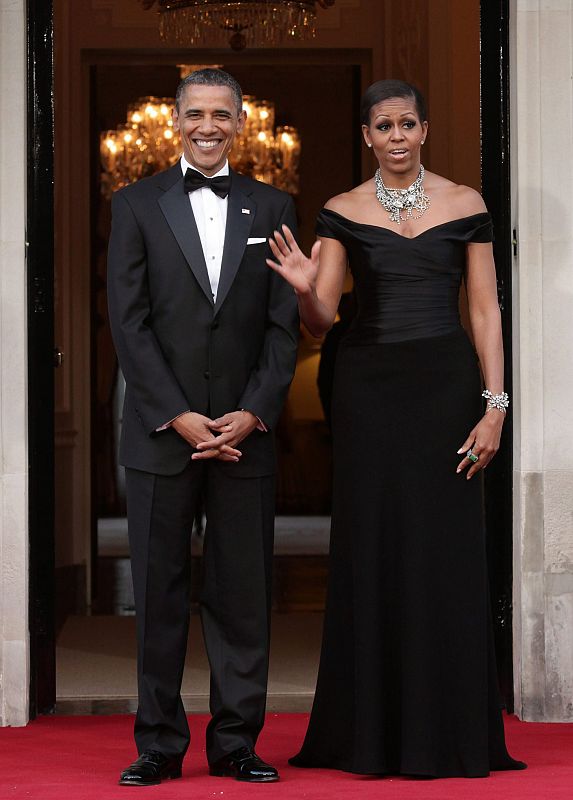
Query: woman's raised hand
292, 264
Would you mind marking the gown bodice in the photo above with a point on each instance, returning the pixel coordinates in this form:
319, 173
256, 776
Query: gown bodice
406, 288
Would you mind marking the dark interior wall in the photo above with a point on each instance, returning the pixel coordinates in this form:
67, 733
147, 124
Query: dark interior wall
319, 102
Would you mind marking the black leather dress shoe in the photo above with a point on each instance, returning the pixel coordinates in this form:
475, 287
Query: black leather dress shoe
244, 765
150, 768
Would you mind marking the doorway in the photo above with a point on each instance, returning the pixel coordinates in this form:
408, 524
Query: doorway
76, 485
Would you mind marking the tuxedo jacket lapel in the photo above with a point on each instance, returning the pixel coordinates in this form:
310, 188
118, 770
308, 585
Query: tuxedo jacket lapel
177, 211
241, 211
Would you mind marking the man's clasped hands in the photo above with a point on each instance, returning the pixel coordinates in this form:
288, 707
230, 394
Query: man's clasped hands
216, 438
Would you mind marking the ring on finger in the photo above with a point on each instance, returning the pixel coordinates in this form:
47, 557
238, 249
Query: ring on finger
472, 456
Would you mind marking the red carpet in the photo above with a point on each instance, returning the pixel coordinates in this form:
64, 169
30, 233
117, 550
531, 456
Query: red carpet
56, 758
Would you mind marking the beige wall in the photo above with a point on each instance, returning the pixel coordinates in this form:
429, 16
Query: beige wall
14, 667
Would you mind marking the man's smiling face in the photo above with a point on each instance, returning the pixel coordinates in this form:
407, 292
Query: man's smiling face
208, 120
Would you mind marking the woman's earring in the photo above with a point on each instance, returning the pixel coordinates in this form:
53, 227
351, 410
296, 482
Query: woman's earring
369, 144
422, 142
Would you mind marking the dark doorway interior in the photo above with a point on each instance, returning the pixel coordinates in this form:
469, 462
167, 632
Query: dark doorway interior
114, 89
41, 355
303, 436
496, 190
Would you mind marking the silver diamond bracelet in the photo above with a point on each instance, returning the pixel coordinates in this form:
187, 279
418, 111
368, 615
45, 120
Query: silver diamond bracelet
499, 401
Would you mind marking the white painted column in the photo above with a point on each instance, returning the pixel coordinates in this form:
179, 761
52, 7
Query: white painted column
14, 640
542, 125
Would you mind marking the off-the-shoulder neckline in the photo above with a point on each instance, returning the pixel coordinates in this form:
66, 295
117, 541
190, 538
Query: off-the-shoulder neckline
401, 236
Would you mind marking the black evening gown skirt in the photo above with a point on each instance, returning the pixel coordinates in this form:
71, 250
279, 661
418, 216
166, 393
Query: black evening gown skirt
407, 680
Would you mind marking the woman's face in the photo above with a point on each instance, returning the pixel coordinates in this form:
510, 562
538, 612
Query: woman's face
396, 134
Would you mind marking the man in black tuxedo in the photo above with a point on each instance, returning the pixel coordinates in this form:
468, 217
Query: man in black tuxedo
206, 336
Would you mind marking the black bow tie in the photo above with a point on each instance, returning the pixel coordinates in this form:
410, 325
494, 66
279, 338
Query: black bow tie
195, 180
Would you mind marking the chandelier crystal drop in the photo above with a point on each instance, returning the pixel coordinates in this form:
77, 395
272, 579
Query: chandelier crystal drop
212, 23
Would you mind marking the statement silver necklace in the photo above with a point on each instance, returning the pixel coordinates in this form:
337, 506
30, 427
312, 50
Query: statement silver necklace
403, 204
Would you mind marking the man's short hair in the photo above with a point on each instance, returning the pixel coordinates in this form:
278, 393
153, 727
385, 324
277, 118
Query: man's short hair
210, 77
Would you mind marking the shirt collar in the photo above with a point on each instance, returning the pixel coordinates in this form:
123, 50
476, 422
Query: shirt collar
185, 165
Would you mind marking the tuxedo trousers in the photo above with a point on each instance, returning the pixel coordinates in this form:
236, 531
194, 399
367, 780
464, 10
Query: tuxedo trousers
235, 601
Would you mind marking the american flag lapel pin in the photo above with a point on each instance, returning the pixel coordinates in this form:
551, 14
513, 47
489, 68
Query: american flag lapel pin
245, 211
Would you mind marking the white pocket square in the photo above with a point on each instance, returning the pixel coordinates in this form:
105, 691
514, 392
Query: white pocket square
256, 240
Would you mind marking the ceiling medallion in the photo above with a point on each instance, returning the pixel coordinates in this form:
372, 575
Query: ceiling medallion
211, 23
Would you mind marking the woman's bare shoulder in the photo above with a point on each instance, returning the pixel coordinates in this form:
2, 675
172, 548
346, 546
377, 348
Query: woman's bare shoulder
337, 202
464, 199
469, 201
348, 202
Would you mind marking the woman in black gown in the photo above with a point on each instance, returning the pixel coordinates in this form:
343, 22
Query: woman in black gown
407, 681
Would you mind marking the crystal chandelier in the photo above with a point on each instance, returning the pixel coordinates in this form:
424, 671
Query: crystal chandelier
147, 144
211, 23
264, 153
144, 145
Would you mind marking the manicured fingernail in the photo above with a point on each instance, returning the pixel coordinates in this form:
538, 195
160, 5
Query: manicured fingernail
461, 450
458, 470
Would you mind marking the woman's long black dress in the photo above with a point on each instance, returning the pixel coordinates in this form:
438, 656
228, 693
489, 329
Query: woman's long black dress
407, 680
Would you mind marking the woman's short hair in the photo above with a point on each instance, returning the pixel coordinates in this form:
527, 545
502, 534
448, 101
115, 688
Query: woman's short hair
210, 77
386, 89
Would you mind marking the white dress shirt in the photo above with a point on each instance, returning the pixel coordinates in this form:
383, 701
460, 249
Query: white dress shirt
210, 212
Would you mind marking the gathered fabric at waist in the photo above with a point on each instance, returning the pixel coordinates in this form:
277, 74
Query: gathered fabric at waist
397, 312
